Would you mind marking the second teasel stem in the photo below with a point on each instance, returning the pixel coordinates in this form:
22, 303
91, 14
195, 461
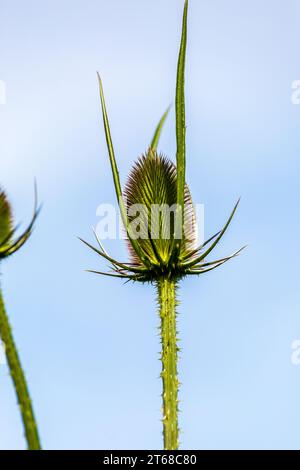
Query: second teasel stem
169, 357
18, 377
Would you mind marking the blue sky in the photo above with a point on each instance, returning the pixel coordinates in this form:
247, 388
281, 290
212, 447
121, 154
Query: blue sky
89, 345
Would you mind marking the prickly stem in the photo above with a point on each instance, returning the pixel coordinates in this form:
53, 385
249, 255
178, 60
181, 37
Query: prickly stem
19, 381
167, 303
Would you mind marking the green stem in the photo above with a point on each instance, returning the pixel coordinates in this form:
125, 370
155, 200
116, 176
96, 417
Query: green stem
18, 377
169, 356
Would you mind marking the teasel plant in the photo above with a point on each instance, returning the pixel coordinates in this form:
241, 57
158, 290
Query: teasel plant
10, 243
166, 259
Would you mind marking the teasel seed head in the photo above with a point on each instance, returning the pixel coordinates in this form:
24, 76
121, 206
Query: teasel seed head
155, 180
9, 243
152, 188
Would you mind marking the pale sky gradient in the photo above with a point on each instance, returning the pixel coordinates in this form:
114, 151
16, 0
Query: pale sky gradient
89, 344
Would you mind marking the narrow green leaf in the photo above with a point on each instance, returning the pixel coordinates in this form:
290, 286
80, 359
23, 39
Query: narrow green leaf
111, 260
109, 274
203, 256
110, 147
115, 173
212, 266
227, 258
197, 272
180, 134
10, 246
5, 218
158, 130
180, 111
190, 254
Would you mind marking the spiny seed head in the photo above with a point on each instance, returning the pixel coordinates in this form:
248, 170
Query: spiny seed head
152, 187
151, 197
9, 245
6, 219
166, 242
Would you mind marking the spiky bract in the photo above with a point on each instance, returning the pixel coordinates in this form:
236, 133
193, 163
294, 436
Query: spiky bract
6, 220
9, 244
151, 199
